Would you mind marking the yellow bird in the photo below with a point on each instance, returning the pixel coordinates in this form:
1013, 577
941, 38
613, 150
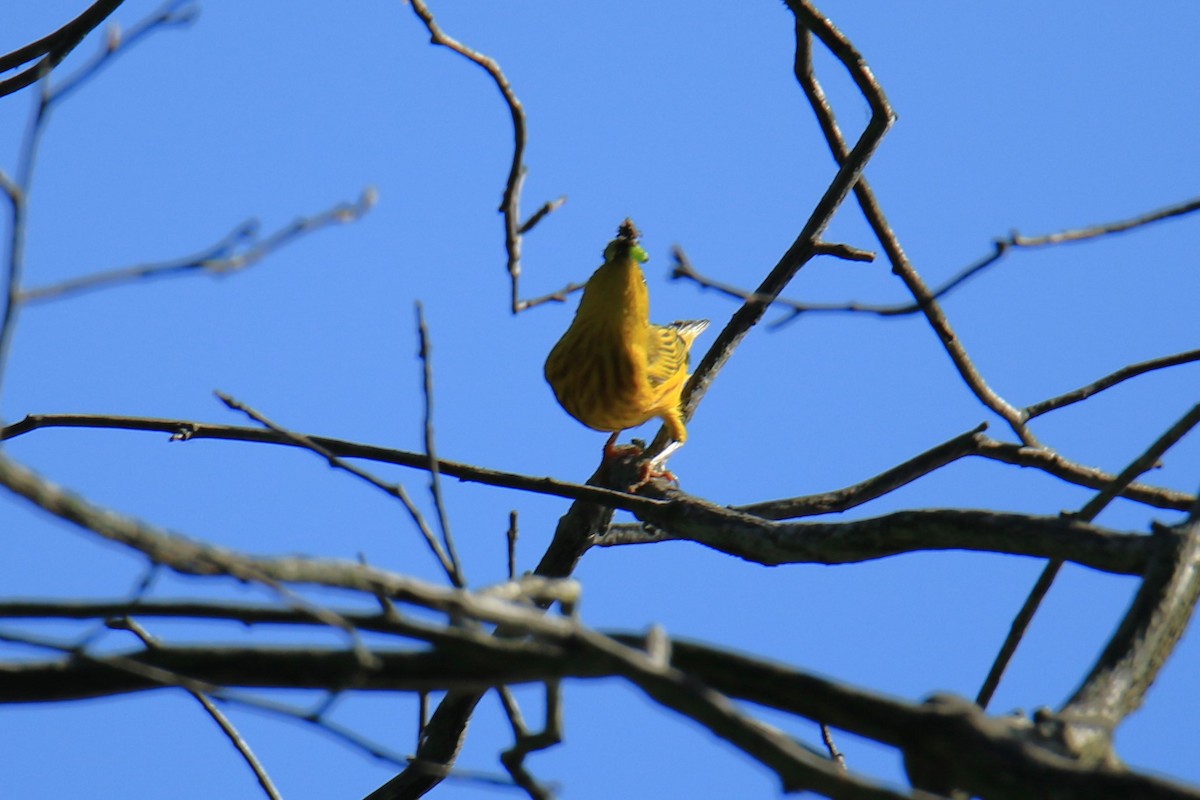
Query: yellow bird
613, 369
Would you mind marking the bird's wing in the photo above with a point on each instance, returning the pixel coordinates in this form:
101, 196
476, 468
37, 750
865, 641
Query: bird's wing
667, 350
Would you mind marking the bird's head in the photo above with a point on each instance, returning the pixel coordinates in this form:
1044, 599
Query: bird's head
626, 245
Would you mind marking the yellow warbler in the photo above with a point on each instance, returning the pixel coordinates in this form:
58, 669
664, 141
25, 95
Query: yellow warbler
613, 369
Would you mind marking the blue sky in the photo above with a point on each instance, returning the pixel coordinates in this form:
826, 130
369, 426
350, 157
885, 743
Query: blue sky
685, 117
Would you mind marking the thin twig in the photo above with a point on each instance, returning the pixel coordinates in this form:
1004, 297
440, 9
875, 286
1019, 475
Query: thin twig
14, 267
809, 22
525, 742
1104, 229
554, 297
510, 204
1000, 248
422, 715
1020, 623
547, 208
17, 189
240, 249
54, 47
393, 489
243, 747
171, 14
901, 266
511, 536
831, 746
1109, 381
425, 351
223, 722
933, 459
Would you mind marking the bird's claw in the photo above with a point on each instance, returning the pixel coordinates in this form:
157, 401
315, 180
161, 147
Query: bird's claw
650, 472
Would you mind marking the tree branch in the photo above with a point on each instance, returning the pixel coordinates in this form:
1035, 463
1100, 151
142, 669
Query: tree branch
510, 205
809, 22
901, 266
684, 270
1094, 506
1141, 646
1109, 381
55, 47
185, 430
240, 249
773, 543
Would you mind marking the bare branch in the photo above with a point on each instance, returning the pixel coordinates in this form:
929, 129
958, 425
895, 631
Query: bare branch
1001, 247
1054, 464
238, 250
991, 757
171, 14
54, 47
683, 270
425, 350
1041, 459
1144, 641
510, 205
902, 267
14, 266
526, 742
547, 208
17, 190
831, 746
1109, 381
391, 489
772, 543
965, 444
1089, 512
223, 722
1104, 229
184, 430
507, 603
554, 297
446, 731
809, 22
511, 537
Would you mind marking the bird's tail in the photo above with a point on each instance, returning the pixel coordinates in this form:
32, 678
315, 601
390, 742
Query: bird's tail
689, 329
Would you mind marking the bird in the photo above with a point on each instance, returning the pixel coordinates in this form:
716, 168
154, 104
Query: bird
613, 369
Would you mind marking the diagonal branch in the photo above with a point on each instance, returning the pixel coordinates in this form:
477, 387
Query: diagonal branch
391, 489
223, 722
809, 22
1109, 381
1143, 642
425, 350
901, 266
1097, 504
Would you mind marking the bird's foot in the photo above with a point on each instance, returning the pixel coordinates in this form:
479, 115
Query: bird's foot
650, 471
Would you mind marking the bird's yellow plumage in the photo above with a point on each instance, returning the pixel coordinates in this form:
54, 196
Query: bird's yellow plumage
613, 369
